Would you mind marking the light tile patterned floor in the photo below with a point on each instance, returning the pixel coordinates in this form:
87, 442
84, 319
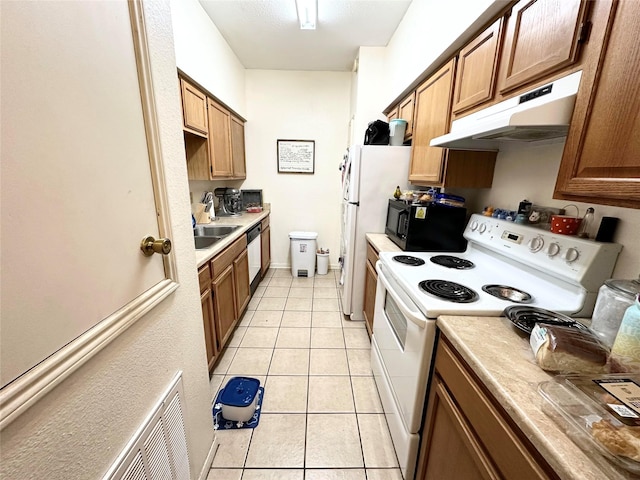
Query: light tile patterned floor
321, 415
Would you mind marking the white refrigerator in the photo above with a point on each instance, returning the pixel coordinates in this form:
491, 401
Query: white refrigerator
370, 174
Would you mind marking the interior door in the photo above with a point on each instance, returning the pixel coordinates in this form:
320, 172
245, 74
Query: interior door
81, 187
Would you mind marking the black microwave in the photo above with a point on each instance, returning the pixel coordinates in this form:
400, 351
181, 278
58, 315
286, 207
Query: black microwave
430, 227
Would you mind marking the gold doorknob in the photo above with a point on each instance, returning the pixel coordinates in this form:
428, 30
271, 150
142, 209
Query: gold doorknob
150, 245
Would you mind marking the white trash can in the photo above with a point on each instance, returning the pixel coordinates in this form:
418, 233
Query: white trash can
303, 253
323, 263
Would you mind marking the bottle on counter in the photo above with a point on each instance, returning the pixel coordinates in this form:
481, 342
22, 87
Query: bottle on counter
587, 221
614, 297
626, 347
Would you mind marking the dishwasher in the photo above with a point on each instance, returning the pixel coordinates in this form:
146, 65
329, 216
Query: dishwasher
254, 253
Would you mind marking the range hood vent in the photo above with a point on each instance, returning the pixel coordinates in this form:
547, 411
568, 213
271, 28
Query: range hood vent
540, 114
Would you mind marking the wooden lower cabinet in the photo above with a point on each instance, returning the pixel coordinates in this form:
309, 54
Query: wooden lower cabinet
370, 283
224, 305
265, 247
241, 281
467, 435
208, 319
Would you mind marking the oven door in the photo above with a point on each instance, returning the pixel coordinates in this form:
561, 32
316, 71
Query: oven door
404, 339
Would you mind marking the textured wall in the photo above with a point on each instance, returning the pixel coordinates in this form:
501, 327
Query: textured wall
80, 427
303, 106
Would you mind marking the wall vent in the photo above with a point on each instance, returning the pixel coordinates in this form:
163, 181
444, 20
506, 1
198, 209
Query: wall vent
158, 450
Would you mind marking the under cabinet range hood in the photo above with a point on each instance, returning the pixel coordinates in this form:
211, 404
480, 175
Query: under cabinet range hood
540, 114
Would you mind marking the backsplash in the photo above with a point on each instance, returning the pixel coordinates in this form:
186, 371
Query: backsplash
530, 173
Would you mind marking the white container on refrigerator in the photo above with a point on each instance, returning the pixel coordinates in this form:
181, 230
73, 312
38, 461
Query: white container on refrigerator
370, 174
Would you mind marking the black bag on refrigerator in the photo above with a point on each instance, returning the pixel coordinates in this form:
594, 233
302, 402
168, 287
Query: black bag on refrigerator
377, 133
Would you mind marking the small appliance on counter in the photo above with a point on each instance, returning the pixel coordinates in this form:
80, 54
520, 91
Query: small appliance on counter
252, 200
229, 202
426, 227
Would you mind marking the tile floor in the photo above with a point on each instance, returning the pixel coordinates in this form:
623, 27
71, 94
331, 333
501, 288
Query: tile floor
321, 415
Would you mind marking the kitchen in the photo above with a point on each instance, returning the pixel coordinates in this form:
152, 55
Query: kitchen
257, 95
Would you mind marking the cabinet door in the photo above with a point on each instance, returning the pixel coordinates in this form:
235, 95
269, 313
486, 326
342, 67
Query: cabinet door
476, 70
431, 119
448, 431
194, 109
541, 38
219, 141
370, 281
237, 148
241, 280
210, 339
265, 247
224, 307
405, 112
601, 159
393, 114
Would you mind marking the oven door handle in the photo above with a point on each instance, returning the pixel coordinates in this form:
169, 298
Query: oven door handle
412, 314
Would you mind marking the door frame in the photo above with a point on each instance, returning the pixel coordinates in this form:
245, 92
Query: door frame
26, 390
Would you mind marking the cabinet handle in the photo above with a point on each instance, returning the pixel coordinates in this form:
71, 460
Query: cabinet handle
150, 245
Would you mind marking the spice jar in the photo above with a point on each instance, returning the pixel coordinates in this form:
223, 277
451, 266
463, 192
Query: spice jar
614, 297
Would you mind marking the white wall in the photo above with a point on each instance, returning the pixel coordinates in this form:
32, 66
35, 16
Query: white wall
204, 55
530, 172
79, 428
370, 91
304, 106
427, 29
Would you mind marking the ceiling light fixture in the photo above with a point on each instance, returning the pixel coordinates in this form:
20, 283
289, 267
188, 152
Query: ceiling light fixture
307, 14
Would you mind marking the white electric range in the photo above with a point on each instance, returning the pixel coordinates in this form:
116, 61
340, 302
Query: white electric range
504, 264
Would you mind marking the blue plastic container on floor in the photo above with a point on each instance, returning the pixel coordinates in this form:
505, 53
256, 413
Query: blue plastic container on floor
239, 398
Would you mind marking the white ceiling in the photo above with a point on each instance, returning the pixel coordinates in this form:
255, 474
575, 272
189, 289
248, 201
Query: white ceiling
265, 34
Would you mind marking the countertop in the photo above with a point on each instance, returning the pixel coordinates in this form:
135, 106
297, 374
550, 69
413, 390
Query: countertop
381, 242
246, 221
502, 359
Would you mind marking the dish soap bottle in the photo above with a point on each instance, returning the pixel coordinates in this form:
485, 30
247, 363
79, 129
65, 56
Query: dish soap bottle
625, 352
397, 194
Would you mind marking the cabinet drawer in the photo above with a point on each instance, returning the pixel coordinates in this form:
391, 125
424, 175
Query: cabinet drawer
509, 452
204, 277
228, 255
265, 222
372, 255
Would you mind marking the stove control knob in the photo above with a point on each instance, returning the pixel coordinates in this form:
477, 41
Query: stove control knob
571, 255
482, 228
474, 225
553, 249
536, 244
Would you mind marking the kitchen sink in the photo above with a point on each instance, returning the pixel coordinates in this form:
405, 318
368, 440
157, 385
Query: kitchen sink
214, 230
206, 235
205, 242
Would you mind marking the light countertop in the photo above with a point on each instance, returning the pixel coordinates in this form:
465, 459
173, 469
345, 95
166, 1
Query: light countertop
246, 221
502, 359
381, 242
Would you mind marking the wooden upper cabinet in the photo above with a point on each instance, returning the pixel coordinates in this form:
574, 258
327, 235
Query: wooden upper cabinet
237, 148
194, 109
542, 37
431, 119
393, 114
601, 159
405, 112
477, 70
220, 140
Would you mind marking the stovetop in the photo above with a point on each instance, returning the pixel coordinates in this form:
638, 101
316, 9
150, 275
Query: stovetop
532, 261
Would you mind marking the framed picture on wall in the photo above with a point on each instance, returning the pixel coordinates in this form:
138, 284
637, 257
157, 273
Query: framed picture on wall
296, 156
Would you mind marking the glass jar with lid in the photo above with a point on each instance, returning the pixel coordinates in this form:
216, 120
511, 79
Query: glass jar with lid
614, 297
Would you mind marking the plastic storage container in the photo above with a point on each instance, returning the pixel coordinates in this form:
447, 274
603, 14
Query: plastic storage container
626, 347
614, 297
396, 132
303, 253
239, 399
599, 413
